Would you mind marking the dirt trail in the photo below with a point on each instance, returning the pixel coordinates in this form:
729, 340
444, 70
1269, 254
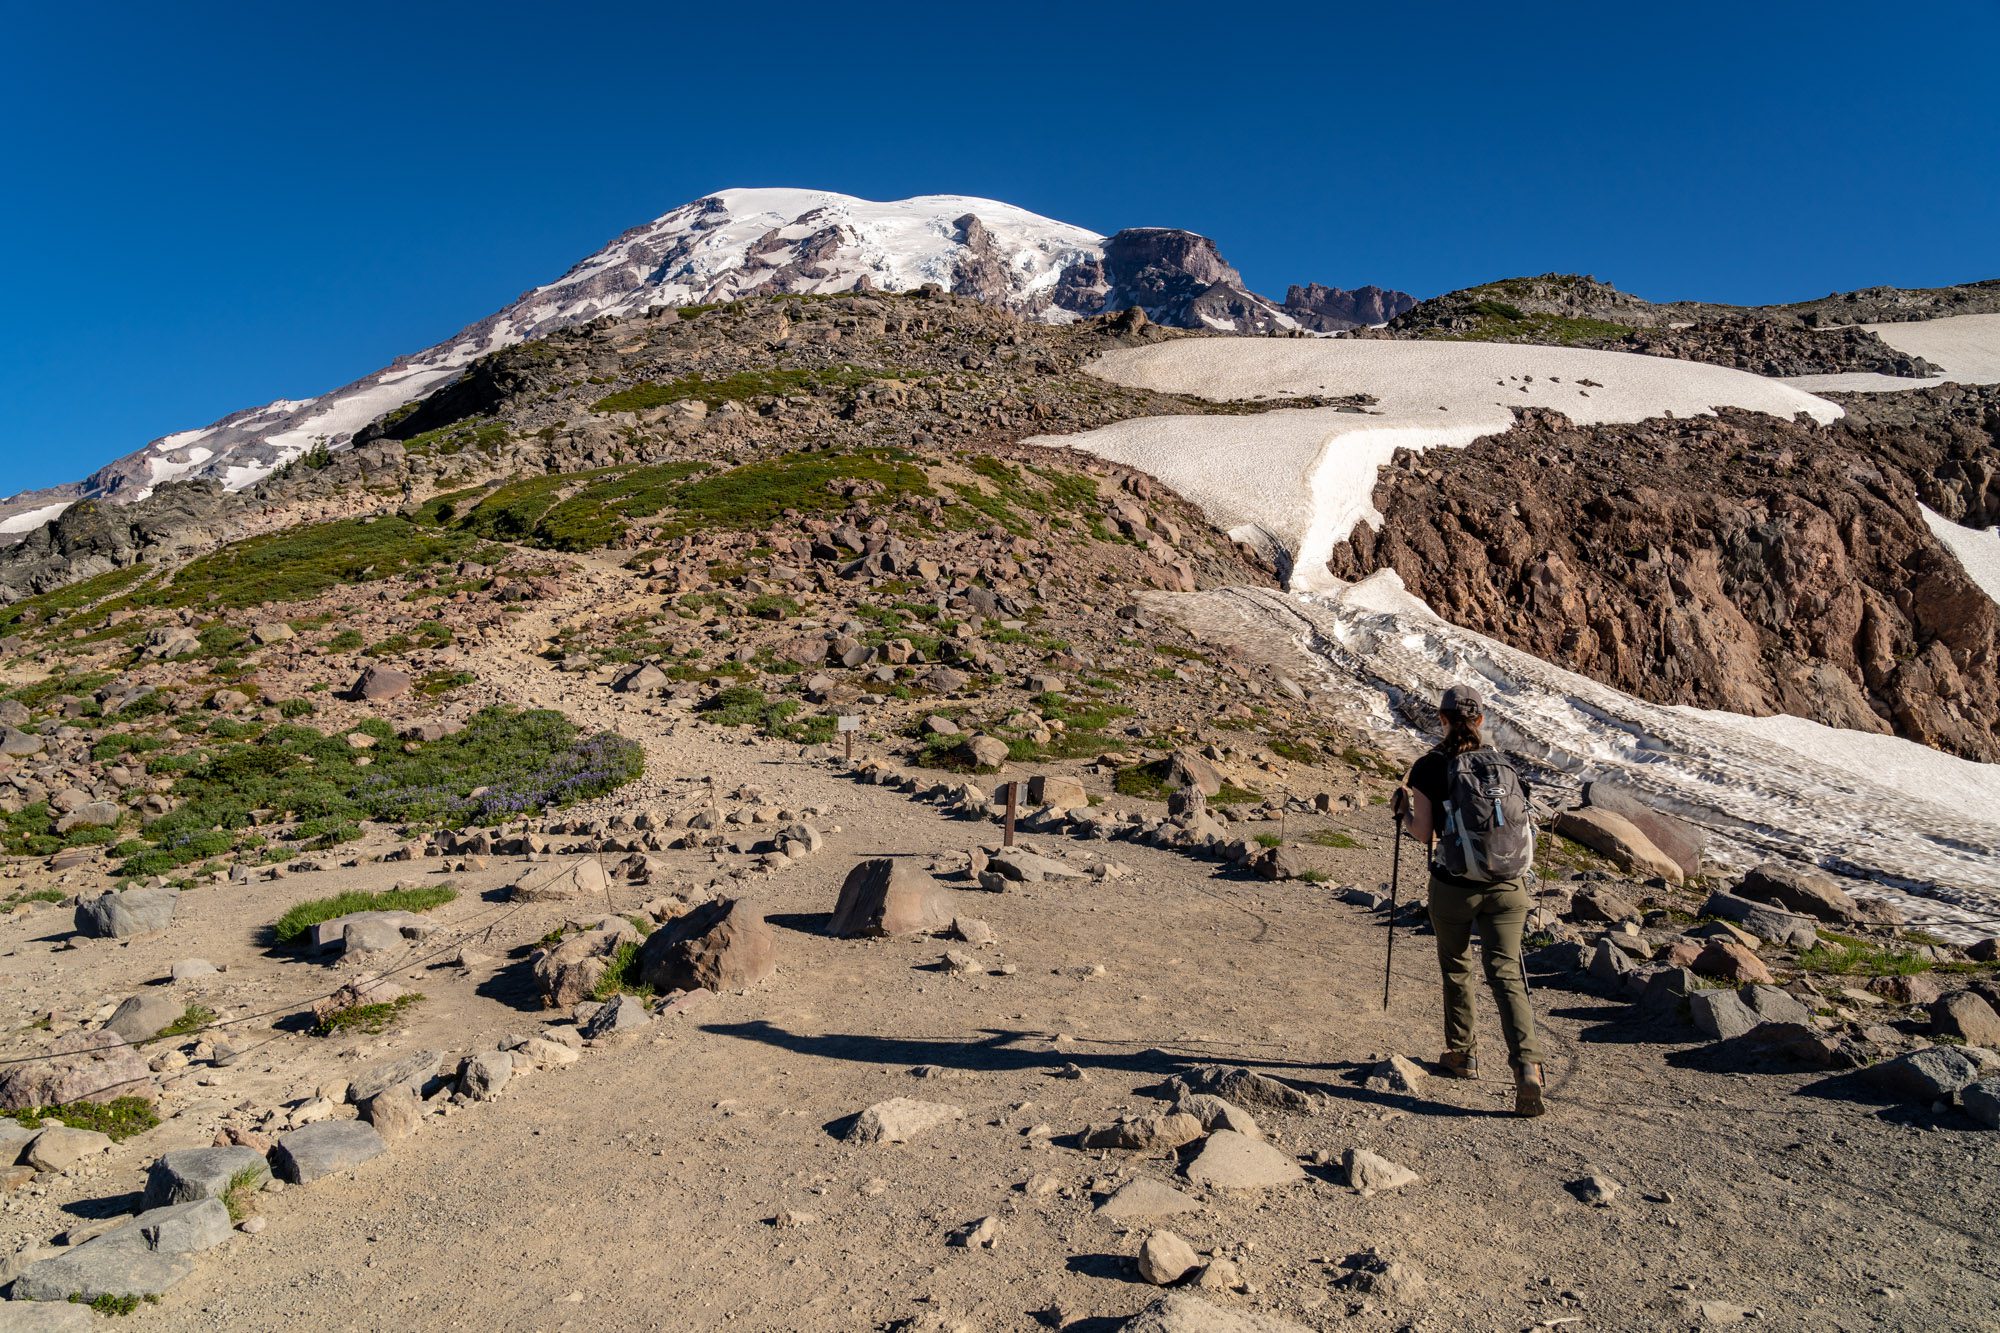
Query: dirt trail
638, 1189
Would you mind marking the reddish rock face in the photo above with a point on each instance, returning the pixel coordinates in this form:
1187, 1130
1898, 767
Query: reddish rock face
1739, 562
725, 945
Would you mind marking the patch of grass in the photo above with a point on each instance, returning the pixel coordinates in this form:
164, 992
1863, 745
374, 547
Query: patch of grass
469, 433
622, 976
1269, 840
1843, 955
48, 608
1502, 321
118, 1119
13, 900
107, 1304
1314, 876
1330, 838
372, 1019
518, 763
755, 494
241, 1190
747, 706
193, 1019
292, 926
297, 563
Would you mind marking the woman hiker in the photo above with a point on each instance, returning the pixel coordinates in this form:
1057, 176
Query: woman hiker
1465, 802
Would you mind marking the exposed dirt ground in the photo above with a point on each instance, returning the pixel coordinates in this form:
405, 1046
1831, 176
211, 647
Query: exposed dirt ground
639, 1188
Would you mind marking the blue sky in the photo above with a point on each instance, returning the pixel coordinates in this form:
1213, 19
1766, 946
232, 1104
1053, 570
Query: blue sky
208, 206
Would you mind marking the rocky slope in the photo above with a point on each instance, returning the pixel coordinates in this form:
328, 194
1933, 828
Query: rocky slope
1744, 563
1329, 309
1576, 311
729, 246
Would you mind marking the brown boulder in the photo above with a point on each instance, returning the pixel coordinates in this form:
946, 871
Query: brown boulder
1799, 889
888, 895
1612, 835
724, 945
1967, 1017
1188, 770
84, 1066
379, 683
1730, 961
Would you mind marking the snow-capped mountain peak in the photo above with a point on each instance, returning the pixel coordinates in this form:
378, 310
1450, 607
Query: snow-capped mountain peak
727, 246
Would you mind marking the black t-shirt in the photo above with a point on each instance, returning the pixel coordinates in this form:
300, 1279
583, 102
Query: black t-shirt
1431, 775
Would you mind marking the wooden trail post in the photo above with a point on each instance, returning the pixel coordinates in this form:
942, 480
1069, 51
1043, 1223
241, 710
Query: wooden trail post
847, 724
1013, 791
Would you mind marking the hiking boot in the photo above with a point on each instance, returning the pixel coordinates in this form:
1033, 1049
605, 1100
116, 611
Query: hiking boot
1528, 1091
1459, 1064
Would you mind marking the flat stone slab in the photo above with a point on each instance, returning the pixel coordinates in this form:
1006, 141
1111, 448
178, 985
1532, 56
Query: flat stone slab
323, 1149
143, 1257
901, 1119
133, 912
1238, 1162
1145, 1197
26, 1316
411, 1071
200, 1173
373, 930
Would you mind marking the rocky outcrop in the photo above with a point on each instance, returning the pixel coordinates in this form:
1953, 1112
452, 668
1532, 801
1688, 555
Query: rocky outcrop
1330, 309
1739, 562
1177, 277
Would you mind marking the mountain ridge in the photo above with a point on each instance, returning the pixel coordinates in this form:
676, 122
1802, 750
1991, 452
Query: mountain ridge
725, 246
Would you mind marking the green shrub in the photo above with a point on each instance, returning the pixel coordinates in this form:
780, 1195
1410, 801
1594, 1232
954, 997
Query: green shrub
739, 387
372, 1019
301, 562
118, 1119
193, 1019
293, 925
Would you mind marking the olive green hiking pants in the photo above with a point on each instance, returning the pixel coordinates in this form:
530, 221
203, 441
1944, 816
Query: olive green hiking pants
1500, 911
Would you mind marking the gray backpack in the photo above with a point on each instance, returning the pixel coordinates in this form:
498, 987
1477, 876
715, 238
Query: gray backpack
1488, 832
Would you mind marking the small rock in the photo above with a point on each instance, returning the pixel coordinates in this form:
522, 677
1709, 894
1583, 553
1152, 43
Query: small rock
901, 1119
1370, 1174
1165, 1258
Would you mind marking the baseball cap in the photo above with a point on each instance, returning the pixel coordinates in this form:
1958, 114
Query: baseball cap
1462, 700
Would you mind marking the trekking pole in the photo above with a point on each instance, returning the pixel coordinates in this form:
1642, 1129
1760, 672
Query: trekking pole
1395, 893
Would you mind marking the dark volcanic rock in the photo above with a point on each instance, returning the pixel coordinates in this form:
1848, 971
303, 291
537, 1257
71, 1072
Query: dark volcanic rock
1327, 309
1738, 562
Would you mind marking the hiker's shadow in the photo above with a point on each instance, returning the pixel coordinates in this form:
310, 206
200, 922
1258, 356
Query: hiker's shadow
999, 1049
1350, 1084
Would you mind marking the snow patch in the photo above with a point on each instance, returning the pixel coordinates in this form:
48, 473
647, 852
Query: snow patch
1304, 477
1877, 808
31, 519
1977, 549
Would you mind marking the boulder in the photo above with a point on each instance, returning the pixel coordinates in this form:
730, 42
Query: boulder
483, 1074
1371, 1174
888, 895
1242, 1086
123, 915
1930, 1074
1230, 1160
1721, 1014
1768, 923
621, 1013
1188, 770
395, 1112
379, 684
83, 1066
1603, 905
91, 814
142, 1257
1165, 1258
18, 744
901, 1119
193, 1174
1799, 889
1967, 1017
568, 971
58, 1147
1025, 867
1727, 960
140, 1017
410, 1072
1676, 837
1219, 1113
1060, 794
647, 679
1982, 1101
1143, 1133
270, 632
982, 752
1143, 1196
723, 945
1612, 835
322, 1149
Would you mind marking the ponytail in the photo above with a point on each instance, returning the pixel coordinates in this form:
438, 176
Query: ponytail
1461, 734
